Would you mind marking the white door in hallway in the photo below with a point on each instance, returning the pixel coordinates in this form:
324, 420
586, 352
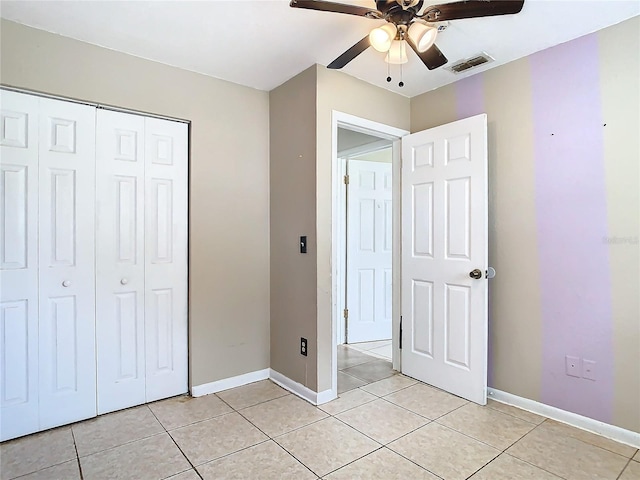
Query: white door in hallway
444, 244
67, 375
19, 265
120, 261
166, 160
369, 251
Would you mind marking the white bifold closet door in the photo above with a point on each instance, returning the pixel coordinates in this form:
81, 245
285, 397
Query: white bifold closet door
141, 259
47, 335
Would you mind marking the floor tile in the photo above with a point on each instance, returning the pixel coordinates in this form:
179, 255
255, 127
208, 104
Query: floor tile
636, 457
382, 421
506, 467
384, 352
347, 382
567, 456
487, 425
426, 401
632, 472
65, 471
35, 452
188, 475
150, 458
114, 429
347, 401
348, 357
252, 394
267, 461
592, 438
382, 464
444, 452
516, 412
282, 415
327, 445
211, 439
184, 410
371, 371
389, 385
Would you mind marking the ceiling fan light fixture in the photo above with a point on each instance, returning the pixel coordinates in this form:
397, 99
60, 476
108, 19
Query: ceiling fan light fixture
397, 53
422, 35
382, 37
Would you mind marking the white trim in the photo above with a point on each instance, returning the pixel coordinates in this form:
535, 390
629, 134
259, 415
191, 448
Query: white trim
300, 390
341, 119
231, 382
585, 423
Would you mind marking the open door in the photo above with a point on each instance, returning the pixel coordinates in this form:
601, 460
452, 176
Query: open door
369, 257
444, 257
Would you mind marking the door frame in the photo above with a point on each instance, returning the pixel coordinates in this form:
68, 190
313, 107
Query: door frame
362, 125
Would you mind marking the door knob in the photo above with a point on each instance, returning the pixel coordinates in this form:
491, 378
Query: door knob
66, 283
476, 274
124, 281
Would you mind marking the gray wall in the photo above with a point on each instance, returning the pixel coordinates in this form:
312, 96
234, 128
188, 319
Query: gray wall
293, 205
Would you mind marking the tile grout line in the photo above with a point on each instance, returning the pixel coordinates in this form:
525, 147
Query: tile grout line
269, 437
75, 446
176, 444
625, 467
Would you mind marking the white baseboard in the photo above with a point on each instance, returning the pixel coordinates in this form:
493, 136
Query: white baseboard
300, 390
585, 423
227, 383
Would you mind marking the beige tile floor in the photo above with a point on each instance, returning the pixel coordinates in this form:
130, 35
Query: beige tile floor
391, 428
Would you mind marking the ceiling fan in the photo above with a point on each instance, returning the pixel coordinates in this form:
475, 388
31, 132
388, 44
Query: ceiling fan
408, 22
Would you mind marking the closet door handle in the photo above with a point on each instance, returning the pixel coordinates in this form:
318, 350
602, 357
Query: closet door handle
124, 281
66, 283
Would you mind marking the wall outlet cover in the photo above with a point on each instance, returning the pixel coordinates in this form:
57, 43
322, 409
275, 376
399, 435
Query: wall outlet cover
589, 369
572, 366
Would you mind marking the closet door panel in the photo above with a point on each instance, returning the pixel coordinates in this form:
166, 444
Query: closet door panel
67, 383
18, 264
120, 261
166, 157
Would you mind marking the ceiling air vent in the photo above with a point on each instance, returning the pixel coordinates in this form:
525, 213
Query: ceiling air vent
469, 63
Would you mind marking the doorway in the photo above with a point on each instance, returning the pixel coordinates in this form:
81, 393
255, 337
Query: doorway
444, 263
366, 253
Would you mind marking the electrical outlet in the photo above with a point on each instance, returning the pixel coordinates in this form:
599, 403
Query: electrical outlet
589, 369
303, 346
572, 366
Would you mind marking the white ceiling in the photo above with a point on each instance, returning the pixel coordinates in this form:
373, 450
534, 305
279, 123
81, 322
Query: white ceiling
261, 44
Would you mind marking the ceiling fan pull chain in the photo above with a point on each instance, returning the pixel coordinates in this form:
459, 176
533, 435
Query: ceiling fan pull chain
401, 84
388, 72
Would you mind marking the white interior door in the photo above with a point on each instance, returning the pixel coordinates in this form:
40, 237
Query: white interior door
369, 251
18, 264
120, 281
444, 238
67, 386
166, 157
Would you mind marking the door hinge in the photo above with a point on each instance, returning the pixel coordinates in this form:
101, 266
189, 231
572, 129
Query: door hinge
345, 313
346, 179
400, 341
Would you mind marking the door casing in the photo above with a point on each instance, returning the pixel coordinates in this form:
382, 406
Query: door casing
352, 122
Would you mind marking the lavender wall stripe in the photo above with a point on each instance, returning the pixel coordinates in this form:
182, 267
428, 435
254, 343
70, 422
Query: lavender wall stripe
571, 222
470, 96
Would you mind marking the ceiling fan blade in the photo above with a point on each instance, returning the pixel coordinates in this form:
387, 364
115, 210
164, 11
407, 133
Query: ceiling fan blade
432, 58
471, 9
336, 8
350, 54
